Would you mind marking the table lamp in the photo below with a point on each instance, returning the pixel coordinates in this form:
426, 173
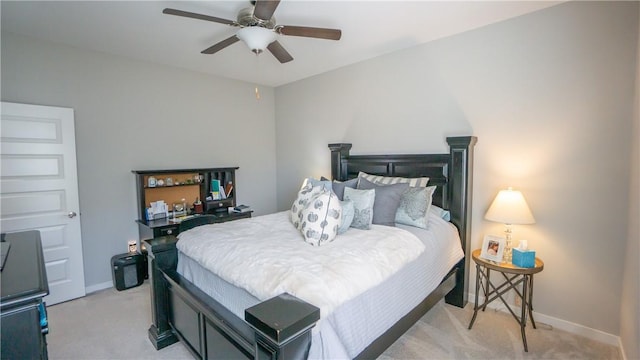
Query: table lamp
509, 207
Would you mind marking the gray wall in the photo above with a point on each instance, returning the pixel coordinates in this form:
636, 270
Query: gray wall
131, 115
550, 97
630, 300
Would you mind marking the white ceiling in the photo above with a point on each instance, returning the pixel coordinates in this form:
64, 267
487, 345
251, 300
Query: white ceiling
139, 30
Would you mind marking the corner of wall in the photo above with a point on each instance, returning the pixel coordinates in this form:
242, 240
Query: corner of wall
629, 312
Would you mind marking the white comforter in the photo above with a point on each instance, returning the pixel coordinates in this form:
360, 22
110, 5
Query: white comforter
267, 256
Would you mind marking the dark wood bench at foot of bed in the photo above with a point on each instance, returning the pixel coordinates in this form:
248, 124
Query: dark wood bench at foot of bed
181, 311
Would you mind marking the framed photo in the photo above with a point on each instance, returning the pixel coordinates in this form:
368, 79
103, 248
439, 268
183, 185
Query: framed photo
493, 247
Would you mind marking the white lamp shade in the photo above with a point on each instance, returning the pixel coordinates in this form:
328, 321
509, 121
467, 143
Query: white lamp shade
509, 207
257, 38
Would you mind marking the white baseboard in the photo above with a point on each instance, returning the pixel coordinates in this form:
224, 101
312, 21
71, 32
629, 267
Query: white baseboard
568, 326
98, 287
590, 333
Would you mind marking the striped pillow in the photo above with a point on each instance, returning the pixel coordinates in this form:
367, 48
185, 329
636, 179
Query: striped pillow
388, 180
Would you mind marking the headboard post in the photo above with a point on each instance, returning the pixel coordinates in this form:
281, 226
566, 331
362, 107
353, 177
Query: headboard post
460, 189
338, 153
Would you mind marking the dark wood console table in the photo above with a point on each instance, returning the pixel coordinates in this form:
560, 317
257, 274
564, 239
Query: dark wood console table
24, 284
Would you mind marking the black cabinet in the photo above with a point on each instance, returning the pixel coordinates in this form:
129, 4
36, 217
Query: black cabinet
24, 284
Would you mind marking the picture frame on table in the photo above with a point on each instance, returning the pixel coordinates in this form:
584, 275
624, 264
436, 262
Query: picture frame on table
493, 248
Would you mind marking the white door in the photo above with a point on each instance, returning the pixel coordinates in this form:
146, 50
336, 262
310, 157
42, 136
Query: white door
39, 190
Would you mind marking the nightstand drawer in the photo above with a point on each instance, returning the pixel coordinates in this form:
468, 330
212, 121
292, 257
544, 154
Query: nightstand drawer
169, 230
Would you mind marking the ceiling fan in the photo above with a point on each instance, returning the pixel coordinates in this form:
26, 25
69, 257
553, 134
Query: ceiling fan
258, 29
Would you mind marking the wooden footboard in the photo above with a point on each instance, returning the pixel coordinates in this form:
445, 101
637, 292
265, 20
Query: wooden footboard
278, 328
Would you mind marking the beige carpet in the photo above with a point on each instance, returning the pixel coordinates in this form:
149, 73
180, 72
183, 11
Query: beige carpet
113, 325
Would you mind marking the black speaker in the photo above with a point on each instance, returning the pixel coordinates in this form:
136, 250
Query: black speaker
127, 270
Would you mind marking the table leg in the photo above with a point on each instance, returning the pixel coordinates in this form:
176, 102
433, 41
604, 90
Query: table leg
523, 316
475, 307
529, 301
486, 289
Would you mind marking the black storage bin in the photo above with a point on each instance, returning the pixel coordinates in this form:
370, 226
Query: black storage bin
127, 270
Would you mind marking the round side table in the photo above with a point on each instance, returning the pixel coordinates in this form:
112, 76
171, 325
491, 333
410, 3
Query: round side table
514, 276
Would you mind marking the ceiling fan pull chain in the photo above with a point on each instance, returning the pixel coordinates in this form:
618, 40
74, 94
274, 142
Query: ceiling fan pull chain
259, 69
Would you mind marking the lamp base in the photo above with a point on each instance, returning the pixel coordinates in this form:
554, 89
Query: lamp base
507, 254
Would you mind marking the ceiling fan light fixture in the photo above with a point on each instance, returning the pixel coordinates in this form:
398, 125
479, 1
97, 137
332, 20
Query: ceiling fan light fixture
258, 29
257, 38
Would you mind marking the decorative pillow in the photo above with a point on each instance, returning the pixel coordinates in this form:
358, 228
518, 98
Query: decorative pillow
348, 211
414, 206
387, 201
306, 193
387, 180
338, 187
321, 218
440, 212
322, 182
362, 207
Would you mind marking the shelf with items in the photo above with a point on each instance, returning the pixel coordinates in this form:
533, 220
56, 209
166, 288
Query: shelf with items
221, 190
164, 180
176, 187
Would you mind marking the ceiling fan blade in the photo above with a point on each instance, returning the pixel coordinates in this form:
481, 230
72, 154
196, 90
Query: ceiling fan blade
221, 45
279, 52
264, 9
312, 32
198, 16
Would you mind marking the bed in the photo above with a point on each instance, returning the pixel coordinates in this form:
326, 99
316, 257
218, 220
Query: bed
191, 304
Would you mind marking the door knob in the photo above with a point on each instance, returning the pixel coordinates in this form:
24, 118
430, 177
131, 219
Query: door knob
72, 214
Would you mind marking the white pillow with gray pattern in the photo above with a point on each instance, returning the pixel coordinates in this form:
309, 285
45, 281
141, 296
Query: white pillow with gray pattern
321, 218
306, 193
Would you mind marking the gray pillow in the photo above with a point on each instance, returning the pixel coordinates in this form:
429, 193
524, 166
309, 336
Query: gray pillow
362, 207
338, 186
387, 200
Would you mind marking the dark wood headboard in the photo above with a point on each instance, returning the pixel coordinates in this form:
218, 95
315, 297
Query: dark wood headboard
452, 173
